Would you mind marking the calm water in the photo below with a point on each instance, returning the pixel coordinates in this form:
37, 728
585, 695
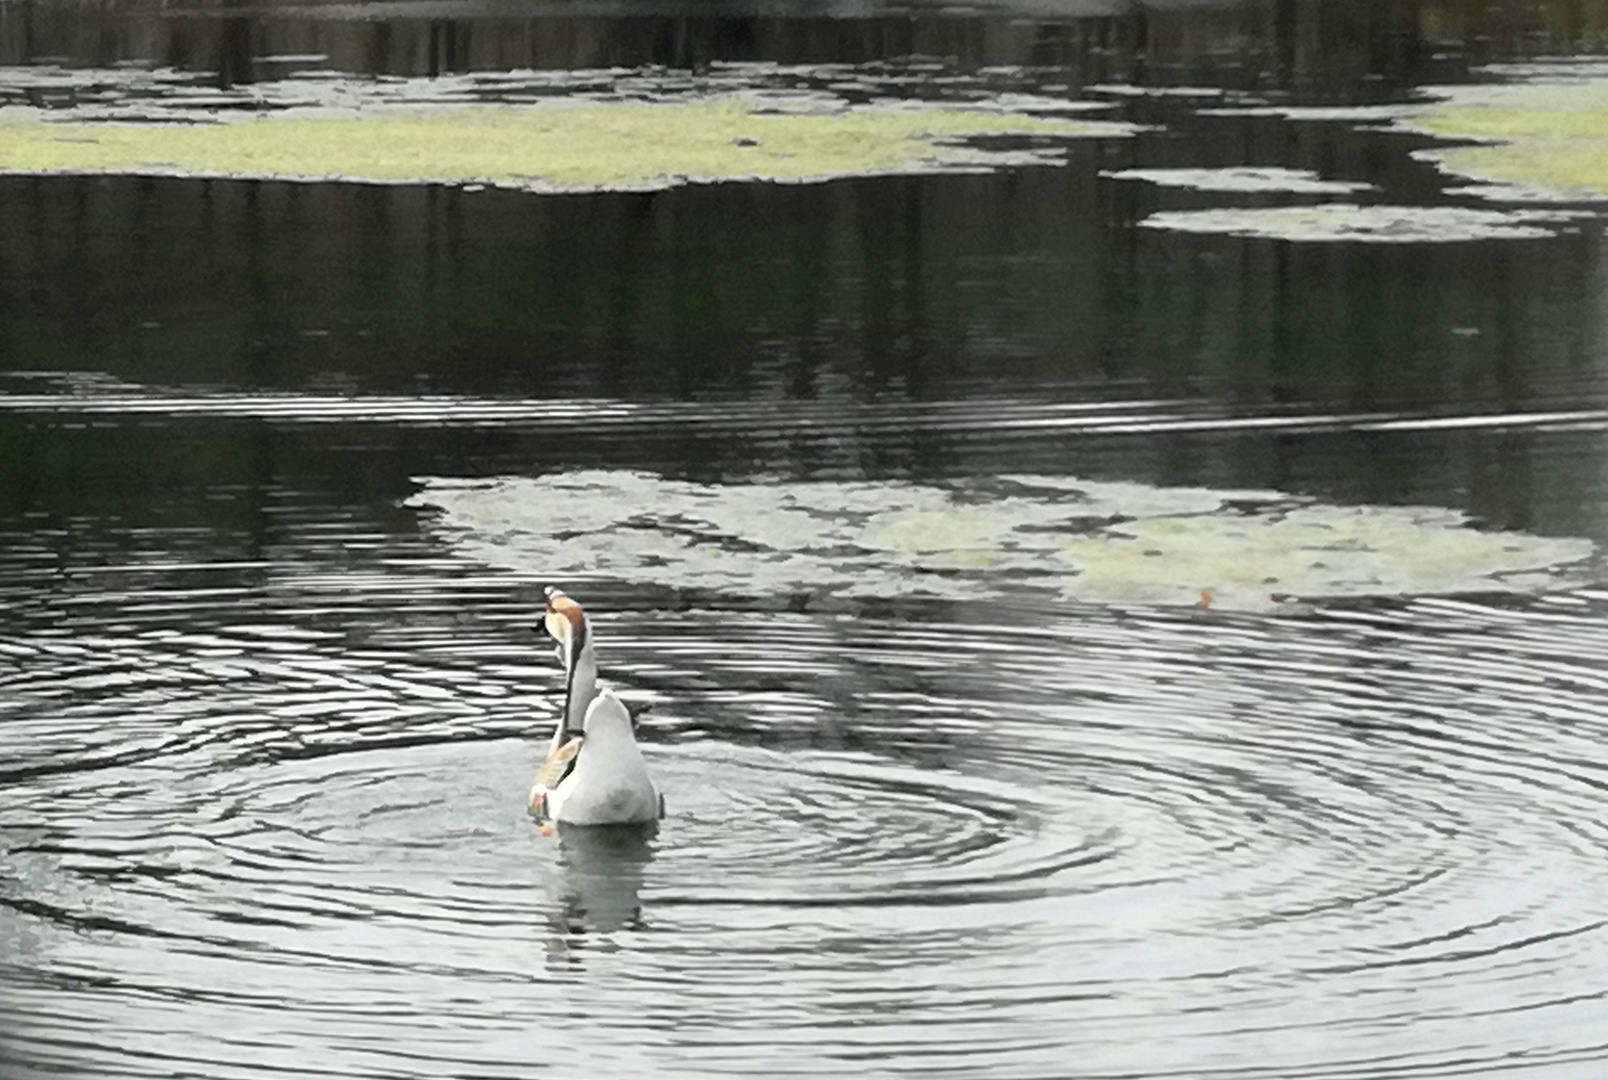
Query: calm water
839, 470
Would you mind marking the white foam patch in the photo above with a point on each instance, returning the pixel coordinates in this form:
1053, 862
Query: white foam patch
1369, 224
167, 95
1329, 114
1130, 90
1076, 539
1563, 87
1243, 179
1501, 191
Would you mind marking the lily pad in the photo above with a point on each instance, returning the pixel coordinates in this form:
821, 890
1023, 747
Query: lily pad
1056, 536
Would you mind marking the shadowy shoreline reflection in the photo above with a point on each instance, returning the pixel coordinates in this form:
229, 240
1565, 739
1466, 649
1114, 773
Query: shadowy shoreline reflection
1362, 46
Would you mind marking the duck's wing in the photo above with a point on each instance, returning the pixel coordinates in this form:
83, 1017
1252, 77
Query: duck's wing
559, 761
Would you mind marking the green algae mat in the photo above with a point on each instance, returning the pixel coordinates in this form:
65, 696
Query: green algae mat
1545, 132
1015, 535
558, 146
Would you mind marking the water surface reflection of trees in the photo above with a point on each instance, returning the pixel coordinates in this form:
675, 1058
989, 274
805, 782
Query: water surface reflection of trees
1265, 42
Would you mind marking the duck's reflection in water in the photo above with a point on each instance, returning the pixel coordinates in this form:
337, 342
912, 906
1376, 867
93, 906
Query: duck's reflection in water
600, 872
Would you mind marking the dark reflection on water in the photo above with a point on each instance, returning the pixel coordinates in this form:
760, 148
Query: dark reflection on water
265, 730
603, 870
1344, 46
1024, 291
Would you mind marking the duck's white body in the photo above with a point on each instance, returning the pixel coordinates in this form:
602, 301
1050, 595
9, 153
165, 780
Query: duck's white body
594, 773
609, 783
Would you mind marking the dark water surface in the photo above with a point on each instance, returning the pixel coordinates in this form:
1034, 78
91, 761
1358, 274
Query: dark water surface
957, 786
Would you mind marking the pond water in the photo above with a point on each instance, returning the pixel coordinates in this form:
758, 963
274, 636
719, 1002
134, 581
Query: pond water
1135, 616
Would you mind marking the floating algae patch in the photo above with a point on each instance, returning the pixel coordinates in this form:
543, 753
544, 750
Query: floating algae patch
1366, 224
1244, 178
555, 146
1082, 540
1546, 131
583, 130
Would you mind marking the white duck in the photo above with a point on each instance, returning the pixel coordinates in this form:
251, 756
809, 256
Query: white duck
594, 773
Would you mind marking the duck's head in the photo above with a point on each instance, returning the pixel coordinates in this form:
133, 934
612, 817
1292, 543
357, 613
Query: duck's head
607, 712
566, 622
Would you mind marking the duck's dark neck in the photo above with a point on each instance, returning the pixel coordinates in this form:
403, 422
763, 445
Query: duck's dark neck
580, 687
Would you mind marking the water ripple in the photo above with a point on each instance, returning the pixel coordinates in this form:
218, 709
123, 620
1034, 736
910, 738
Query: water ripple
54, 394
939, 845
